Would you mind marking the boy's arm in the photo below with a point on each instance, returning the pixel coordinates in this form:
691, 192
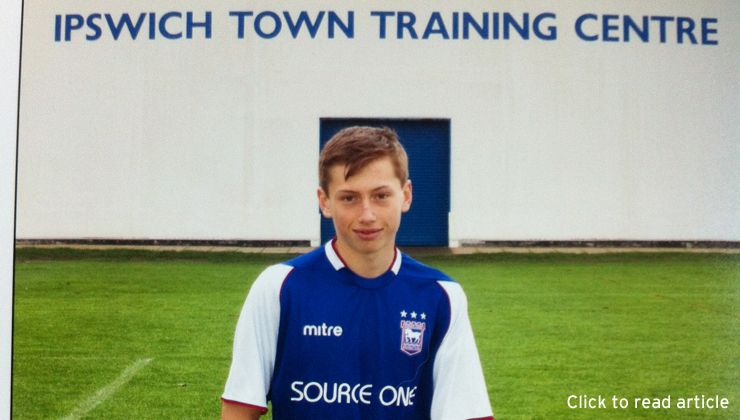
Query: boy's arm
459, 386
255, 344
238, 412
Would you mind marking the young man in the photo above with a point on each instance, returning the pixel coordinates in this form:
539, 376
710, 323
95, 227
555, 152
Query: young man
355, 329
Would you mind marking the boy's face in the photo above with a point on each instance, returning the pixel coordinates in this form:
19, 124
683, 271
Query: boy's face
366, 208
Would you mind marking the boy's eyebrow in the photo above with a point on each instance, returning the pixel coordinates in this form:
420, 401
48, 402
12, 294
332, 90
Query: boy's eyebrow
382, 187
345, 191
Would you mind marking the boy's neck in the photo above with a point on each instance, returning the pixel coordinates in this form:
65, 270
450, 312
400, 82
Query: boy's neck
370, 265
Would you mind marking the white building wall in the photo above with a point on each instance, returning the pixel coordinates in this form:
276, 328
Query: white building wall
218, 139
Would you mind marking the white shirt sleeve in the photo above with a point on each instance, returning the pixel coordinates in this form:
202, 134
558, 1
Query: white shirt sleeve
459, 387
255, 340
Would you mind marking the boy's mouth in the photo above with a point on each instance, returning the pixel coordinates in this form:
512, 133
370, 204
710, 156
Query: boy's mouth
368, 234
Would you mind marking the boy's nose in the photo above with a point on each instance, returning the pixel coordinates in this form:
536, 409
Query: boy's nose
368, 215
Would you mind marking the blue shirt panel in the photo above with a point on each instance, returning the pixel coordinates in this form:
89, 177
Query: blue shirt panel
322, 375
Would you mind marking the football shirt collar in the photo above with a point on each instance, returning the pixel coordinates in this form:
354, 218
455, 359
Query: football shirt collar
336, 260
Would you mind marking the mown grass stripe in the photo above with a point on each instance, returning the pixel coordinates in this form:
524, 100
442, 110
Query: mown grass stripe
105, 392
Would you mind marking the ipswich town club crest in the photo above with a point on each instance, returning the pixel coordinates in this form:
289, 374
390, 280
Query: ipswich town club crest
412, 336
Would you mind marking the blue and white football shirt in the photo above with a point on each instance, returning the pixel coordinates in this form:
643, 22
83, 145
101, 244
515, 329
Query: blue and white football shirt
321, 342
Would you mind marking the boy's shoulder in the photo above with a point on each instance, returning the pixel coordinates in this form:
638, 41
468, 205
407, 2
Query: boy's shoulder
410, 268
418, 270
311, 258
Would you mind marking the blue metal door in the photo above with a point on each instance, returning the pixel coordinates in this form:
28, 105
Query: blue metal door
427, 143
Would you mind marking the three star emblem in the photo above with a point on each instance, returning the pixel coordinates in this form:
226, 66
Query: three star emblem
413, 314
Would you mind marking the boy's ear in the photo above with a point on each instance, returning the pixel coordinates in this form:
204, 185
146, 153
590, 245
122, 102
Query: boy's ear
324, 204
407, 196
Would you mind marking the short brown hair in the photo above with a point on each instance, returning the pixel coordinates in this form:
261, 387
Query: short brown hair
355, 147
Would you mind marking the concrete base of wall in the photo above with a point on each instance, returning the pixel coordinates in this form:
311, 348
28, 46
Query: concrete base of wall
625, 243
466, 247
241, 243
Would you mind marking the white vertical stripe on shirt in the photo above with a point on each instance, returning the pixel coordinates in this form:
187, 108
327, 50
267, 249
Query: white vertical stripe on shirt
459, 387
255, 340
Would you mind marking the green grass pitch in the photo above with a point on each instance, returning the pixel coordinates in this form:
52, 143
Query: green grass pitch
547, 326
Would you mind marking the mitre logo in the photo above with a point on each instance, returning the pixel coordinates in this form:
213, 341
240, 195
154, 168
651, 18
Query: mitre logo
322, 330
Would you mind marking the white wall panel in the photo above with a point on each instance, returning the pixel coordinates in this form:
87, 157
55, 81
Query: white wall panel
217, 138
